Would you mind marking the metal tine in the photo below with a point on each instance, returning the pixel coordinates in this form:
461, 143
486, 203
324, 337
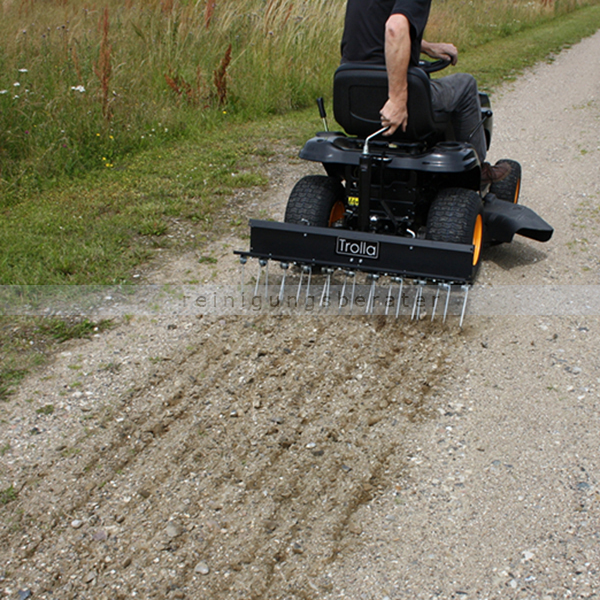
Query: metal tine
466, 289
326, 286
388, 299
308, 284
343, 294
435, 302
267, 280
285, 267
371, 300
353, 275
369, 276
330, 280
400, 282
300, 284
416, 312
243, 261
448, 287
414, 309
376, 278
329, 292
261, 263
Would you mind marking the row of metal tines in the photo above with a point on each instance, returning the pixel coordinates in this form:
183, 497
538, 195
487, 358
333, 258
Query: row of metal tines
340, 291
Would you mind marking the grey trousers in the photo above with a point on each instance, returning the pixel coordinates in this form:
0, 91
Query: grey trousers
457, 96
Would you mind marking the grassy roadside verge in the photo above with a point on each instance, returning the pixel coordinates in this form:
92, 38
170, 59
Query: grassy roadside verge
101, 227
82, 87
504, 59
98, 228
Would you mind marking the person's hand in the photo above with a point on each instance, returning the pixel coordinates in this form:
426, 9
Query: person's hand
442, 50
394, 115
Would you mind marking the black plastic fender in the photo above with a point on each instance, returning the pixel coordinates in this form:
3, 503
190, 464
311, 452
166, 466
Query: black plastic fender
503, 220
445, 157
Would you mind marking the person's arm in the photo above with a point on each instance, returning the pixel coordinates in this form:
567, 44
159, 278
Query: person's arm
397, 58
440, 50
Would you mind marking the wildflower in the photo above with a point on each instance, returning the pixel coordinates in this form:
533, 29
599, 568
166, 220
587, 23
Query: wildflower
16, 84
23, 71
78, 88
3, 91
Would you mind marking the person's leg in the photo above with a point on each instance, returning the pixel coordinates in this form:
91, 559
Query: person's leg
457, 95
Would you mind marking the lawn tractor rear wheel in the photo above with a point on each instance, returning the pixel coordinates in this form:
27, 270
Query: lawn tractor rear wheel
456, 216
316, 200
508, 188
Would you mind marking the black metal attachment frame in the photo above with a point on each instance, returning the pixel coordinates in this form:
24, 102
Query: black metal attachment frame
360, 251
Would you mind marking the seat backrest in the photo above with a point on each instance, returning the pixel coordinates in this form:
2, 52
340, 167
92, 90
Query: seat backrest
361, 90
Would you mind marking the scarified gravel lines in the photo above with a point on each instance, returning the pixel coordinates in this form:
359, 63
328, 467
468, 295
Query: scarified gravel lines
258, 449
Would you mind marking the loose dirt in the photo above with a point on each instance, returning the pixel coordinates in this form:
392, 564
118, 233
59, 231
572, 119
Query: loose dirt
301, 457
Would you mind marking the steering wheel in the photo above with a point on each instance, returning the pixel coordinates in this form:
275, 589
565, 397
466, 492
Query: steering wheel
433, 66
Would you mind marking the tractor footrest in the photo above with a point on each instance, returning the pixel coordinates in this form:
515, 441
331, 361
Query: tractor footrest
360, 251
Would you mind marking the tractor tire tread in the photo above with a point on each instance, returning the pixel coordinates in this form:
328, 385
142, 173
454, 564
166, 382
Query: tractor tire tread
312, 199
452, 214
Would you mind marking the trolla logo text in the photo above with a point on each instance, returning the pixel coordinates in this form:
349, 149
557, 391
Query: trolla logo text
357, 248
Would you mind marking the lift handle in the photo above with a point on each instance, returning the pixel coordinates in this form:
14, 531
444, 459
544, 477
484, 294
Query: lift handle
322, 112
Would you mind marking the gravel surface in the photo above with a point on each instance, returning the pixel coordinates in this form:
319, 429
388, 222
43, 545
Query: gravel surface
275, 457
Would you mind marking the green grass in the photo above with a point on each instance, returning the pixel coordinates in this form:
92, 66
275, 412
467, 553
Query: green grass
8, 495
26, 342
62, 330
83, 87
505, 58
9, 380
97, 228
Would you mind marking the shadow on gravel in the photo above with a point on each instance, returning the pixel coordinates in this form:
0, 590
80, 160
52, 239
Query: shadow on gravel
515, 254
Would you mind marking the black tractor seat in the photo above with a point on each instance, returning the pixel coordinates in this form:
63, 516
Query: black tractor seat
360, 91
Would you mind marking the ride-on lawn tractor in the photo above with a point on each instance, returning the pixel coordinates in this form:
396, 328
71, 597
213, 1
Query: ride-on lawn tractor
407, 207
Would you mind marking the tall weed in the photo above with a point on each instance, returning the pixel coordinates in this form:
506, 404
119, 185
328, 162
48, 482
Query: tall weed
83, 86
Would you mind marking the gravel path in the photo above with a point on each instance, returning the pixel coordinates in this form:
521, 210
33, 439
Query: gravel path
272, 457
